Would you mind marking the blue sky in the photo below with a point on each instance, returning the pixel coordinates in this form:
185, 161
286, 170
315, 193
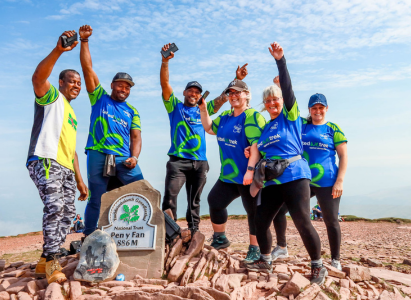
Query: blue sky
355, 52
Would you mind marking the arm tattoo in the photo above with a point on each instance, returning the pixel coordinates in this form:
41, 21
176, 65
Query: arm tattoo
219, 101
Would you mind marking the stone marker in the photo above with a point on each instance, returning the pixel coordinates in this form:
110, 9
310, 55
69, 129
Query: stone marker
98, 258
132, 216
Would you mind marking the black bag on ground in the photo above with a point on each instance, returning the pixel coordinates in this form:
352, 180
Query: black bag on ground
75, 247
172, 228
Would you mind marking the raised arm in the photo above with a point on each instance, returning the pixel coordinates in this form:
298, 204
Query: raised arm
40, 77
90, 77
285, 81
164, 74
205, 118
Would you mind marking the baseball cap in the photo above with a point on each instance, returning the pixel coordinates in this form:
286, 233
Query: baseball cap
317, 98
237, 85
194, 84
122, 76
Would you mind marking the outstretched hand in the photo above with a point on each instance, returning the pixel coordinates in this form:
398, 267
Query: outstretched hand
165, 48
242, 72
276, 50
68, 33
85, 31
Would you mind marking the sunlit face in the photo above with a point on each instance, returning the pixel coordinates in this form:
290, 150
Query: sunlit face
318, 112
236, 98
120, 90
273, 105
70, 85
191, 96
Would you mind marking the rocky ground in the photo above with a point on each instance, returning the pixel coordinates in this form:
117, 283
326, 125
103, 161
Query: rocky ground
376, 265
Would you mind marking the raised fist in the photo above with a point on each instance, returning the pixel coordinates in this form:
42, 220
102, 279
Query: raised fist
69, 33
276, 50
276, 81
165, 48
85, 31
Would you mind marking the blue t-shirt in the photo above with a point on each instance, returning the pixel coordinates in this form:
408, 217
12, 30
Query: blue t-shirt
319, 142
110, 124
186, 131
281, 139
234, 134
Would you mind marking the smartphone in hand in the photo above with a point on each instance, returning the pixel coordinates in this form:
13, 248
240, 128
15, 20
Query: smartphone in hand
172, 48
204, 96
68, 41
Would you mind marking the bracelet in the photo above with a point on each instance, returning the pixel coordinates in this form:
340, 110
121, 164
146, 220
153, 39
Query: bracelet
135, 159
84, 40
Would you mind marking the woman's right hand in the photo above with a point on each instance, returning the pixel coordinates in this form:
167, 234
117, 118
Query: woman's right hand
276, 81
276, 51
242, 72
247, 152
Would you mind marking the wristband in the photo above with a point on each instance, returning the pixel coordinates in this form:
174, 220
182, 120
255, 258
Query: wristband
135, 159
249, 168
84, 40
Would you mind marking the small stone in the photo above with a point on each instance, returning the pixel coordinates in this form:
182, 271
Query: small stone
344, 283
16, 273
18, 286
53, 292
385, 295
374, 262
4, 296
118, 283
283, 277
42, 284
75, 289
334, 272
407, 262
2, 264
24, 296
252, 275
345, 293
294, 285
321, 296
281, 269
17, 264
32, 287
310, 293
357, 273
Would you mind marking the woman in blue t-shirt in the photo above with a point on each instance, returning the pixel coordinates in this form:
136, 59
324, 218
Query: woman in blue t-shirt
236, 129
281, 139
322, 140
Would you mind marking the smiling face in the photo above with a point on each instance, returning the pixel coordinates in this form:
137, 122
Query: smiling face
274, 105
317, 112
237, 99
120, 90
70, 85
191, 96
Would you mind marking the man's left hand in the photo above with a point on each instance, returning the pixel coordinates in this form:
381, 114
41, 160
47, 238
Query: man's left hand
82, 188
132, 161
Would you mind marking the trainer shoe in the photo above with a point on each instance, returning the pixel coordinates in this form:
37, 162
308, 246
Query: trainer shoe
40, 271
220, 242
260, 265
336, 264
252, 255
53, 271
279, 252
318, 274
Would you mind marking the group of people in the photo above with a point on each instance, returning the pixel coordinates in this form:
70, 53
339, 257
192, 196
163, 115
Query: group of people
305, 147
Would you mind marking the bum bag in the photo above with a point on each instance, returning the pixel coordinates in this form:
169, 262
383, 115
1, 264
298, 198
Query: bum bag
269, 169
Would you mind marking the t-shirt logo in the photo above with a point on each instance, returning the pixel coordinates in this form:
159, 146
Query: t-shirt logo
72, 122
324, 136
274, 126
237, 128
127, 113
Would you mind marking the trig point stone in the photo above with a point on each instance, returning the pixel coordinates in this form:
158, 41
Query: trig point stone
131, 215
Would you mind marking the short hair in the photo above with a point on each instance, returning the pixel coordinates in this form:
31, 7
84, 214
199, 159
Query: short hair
63, 73
273, 91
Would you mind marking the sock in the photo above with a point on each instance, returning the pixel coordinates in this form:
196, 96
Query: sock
317, 263
217, 234
252, 247
282, 247
266, 257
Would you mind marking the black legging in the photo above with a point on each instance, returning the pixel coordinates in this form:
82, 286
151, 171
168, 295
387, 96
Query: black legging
329, 209
296, 195
222, 194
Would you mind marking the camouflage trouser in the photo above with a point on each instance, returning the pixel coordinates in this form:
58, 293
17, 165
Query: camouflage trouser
57, 189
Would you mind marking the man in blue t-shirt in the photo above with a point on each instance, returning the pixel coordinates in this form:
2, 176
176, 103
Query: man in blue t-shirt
114, 135
188, 162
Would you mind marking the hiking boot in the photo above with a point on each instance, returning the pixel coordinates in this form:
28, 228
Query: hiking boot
318, 274
220, 242
279, 252
336, 264
260, 265
53, 271
40, 271
252, 255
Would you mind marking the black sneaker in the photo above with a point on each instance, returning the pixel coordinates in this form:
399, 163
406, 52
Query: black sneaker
260, 265
220, 242
318, 274
193, 230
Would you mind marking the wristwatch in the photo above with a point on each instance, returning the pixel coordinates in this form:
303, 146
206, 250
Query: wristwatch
135, 159
250, 168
